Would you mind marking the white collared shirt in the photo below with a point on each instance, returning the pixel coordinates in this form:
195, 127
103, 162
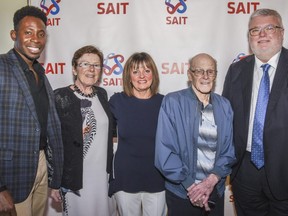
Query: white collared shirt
257, 75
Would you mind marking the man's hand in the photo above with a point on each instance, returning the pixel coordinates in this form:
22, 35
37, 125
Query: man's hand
199, 193
7, 206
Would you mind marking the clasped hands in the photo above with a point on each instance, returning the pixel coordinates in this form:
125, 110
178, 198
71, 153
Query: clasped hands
199, 193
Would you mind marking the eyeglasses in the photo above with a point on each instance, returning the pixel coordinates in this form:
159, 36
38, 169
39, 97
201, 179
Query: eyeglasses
200, 72
87, 65
269, 29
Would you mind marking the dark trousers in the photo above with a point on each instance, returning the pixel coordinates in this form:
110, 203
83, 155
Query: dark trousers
183, 207
252, 195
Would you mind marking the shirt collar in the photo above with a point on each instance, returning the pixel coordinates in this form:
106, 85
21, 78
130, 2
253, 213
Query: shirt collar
36, 65
272, 61
195, 96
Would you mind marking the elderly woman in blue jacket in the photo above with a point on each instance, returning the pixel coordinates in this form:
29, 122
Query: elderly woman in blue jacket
194, 147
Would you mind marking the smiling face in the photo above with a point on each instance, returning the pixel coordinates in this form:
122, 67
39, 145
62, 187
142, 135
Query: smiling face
266, 45
87, 70
202, 84
141, 79
29, 38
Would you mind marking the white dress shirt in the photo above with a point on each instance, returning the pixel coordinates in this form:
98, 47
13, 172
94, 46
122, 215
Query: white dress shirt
257, 75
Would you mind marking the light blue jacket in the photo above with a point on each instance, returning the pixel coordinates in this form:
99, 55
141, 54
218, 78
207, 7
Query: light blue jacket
177, 136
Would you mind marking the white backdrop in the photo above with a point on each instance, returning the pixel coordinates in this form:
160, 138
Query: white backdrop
172, 31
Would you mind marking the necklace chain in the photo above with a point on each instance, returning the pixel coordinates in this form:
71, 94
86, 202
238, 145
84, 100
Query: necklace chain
76, 89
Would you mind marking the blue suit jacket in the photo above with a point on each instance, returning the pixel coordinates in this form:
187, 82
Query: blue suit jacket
238, 89
20, 132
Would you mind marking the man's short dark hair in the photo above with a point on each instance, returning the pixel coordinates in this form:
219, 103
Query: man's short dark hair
28, 11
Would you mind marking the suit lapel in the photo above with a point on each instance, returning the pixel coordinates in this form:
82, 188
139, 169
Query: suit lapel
247, 81
279, 82
23, 84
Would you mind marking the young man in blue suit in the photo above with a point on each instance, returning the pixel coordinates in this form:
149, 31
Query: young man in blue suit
257, 87
30, 129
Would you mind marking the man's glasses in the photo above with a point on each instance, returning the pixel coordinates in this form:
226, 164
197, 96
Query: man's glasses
201, 72
269, 29
86, 65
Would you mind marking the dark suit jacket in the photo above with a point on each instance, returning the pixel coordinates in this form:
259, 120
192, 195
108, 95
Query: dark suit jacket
238, 89
20, 131
69, 110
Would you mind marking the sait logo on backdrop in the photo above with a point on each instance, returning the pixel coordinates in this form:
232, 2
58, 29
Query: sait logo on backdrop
242, 7
52, 8
113, 64
173, 8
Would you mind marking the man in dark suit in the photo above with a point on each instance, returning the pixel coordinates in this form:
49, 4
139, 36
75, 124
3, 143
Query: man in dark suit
30, 128
260, 177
